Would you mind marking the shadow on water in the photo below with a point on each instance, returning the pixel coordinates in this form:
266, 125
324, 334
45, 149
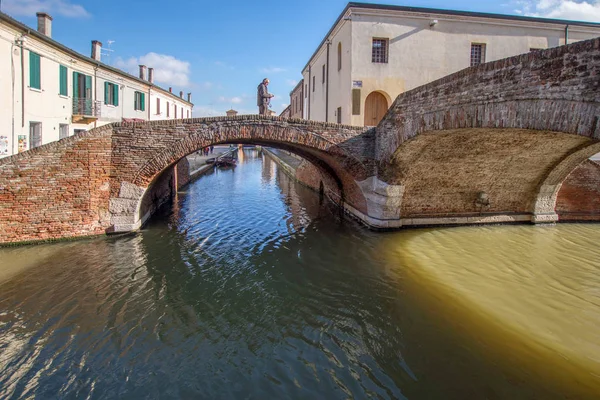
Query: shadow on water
248, 287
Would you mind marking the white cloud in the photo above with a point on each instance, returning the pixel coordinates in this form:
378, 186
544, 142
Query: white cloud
28, 8
167, 69
560, 9
272, 70
291, 82
206, 111
232, 100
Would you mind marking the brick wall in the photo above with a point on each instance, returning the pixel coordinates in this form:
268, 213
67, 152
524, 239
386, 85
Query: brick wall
58, 190
579, 196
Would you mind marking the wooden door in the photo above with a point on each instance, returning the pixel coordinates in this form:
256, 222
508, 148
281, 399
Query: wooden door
375, 108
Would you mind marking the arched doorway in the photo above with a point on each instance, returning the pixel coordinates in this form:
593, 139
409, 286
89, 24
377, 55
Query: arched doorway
376, 106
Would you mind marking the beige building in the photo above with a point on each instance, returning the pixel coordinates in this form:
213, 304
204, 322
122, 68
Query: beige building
297, 101
374, 52
49, 92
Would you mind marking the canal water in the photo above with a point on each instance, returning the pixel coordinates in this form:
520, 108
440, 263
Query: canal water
248, 286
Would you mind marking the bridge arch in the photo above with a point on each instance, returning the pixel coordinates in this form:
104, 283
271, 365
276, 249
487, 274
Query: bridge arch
461, 149
320, 144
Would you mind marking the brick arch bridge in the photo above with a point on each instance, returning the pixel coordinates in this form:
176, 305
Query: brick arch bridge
495, 142
492, 143
102, 180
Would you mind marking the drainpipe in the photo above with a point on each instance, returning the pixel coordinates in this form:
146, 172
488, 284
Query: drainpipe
327, 84
309, 83
567, 34
95, 91
22, 86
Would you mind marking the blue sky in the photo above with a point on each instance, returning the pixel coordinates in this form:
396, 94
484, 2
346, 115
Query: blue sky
221, 50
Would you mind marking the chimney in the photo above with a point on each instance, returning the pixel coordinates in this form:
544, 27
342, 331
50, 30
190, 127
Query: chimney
181, 94
189, 97
143, 72
170, 90
96, 50
151, 75
44, 24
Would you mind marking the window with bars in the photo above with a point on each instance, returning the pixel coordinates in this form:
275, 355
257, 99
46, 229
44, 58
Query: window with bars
35, 134
379, 52
477, 54
63, 131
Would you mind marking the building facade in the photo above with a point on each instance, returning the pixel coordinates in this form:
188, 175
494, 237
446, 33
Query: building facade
374, 52
287, 112
297, 100
49, 92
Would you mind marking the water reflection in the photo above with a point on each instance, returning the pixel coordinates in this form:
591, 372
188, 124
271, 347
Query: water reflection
248, 287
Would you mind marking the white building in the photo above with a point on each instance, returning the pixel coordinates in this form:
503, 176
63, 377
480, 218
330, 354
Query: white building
373, 52
48, 91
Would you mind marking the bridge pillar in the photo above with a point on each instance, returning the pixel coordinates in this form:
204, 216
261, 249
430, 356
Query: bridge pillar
124, 210
383, 204
543, 209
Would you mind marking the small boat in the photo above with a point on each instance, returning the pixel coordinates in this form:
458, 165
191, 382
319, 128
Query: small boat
211, 160
225, 162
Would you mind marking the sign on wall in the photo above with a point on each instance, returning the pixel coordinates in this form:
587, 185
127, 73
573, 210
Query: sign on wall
3, 145
356, 84
22, 143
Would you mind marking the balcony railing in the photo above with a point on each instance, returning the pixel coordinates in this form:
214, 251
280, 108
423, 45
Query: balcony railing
86, 107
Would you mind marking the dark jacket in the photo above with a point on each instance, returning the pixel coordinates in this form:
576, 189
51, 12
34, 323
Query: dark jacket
263, 97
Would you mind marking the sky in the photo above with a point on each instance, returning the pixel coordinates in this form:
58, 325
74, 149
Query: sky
221, 50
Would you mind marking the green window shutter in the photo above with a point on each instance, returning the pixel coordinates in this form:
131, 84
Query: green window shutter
106, 88
75, 85
34, 71
88, 87
143, 101
115, 95
63, 88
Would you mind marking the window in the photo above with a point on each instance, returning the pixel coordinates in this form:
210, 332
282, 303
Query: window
63, 89
339, 115
305, 90
175, 111
35, 134
63, 131
314, 83
34, 71
188, 113
168, 111
157, 106
355, 101
477, 54
379, 52
181, 112
339, 56
323, 81
139, 103
111, 94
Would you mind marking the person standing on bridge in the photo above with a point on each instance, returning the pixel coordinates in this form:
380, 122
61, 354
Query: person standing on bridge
263, 98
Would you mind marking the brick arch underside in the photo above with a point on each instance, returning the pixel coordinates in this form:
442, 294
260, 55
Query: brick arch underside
443, 172
338, 169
